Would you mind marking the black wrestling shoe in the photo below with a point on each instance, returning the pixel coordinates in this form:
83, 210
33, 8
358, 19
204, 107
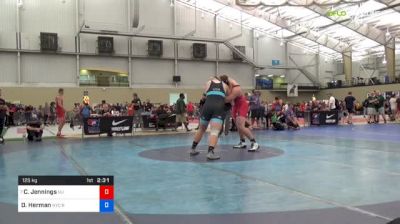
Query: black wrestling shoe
194, 152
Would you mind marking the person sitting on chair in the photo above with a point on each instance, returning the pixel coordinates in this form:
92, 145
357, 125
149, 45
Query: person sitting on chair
34, 129
291, 119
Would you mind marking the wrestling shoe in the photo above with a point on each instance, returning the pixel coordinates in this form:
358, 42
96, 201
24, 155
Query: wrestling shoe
241, 145
194, 152
254, 147
212, 156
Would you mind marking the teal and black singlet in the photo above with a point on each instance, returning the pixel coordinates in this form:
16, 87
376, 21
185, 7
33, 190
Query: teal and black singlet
214, 107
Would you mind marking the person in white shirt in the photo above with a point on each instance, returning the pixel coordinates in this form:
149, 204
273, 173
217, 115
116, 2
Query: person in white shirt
332, 105
393, 106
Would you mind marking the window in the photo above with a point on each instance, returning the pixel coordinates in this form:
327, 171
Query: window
90, 77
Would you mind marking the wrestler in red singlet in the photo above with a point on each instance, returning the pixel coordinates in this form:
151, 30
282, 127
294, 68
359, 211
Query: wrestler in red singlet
239, 113
60, 111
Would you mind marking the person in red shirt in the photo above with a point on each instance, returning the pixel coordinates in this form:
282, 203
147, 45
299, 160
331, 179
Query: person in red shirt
60, 111
190, 110
303, 107
131, 110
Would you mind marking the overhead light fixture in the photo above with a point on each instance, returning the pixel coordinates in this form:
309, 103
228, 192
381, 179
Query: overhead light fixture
384, 59
282, 76
270, 76
257, 75
281, 44
171, 3
257, 35
20, 3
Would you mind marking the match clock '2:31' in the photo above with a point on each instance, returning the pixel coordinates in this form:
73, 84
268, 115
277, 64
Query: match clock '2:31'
103, 180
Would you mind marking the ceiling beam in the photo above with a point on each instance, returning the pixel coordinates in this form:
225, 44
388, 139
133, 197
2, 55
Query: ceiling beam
393, 4
365, 30
325, 40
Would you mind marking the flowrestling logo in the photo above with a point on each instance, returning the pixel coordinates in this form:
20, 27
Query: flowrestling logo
352, 16
334, 13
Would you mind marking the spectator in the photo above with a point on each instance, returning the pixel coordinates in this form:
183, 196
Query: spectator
255, 105
291, 119
277, 105
201, 103
34, 128
3, 114
46, 113
393, 107
52, 113
372, 102
380, 106
131, 110
398, 106
85, 110
181, 116
332, 102
105, 108
148, 106
12, 109
350, 105
190, 110
137, 106
137, 103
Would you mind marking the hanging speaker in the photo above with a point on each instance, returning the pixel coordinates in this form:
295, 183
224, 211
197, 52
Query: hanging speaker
48, 41
155, 47
241, 49
199, 50
105, 45
176, 78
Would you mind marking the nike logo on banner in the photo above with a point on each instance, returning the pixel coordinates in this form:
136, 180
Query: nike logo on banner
329, 116
117, 123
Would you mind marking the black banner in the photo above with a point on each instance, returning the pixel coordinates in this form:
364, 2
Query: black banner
100, 125
324, 117
65, 180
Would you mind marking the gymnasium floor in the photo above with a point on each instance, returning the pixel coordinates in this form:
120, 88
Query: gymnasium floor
318, 175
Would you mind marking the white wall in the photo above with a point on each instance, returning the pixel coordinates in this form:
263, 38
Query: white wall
156, 16
48, 16
8, 68
8, 23
48, 69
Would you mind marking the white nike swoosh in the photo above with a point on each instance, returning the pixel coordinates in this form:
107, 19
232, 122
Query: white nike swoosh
117, 123
329, 116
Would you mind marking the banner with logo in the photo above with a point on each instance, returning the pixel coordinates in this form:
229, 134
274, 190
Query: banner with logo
292, 90
324, 117
100, 125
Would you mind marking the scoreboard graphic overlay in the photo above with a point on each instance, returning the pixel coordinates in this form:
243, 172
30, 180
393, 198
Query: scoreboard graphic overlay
66, 194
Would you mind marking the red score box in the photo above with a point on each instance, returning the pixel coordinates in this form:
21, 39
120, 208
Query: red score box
106, 192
